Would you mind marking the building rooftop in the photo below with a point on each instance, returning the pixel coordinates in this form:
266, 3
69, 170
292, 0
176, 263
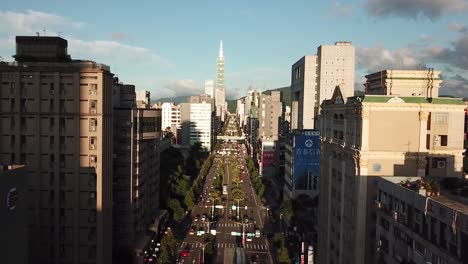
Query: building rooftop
451, 192
410, 99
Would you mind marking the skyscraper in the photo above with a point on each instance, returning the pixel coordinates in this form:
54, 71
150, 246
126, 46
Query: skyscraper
220, 93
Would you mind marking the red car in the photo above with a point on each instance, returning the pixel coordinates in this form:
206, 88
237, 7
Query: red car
185, 253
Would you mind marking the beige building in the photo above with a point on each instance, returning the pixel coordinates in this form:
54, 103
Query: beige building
412, 227
270, 112
424, 83
56, 117
14, 214
136, 175
314, 78
378, 135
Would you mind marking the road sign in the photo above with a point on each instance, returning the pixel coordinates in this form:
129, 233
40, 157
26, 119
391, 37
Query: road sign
234, 207
250, 234
234, 233
219, 206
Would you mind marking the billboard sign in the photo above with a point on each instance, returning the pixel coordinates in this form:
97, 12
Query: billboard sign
306, 160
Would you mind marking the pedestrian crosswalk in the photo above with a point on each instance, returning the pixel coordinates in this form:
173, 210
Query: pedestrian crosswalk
226, 245
221, 224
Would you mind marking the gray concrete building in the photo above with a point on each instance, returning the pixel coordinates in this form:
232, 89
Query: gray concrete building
314, 78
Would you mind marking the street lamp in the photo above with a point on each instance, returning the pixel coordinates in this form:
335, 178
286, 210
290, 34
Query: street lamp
203, 249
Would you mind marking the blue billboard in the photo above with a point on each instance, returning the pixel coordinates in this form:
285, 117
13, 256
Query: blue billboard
306, 160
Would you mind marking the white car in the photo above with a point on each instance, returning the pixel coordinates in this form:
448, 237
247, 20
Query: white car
249, 239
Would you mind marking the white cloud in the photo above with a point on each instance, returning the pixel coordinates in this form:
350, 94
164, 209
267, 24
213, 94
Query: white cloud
453, 61
30, 22
181, 87
457, 27
111, 52
341, 9
431, 9
378, 58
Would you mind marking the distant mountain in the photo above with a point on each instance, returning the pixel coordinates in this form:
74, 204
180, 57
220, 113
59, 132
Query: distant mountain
176, 100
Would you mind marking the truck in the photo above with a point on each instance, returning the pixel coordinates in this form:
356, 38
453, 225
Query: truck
224, 189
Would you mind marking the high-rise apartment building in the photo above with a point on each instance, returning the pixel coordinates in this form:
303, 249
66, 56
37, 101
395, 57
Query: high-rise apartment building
196, 121
378, 135
314, 78
14, 214
56, 117
136, 175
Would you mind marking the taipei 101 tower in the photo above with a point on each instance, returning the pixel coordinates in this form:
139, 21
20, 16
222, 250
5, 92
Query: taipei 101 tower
220, 95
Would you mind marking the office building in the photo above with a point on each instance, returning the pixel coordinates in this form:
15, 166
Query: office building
56, 118
205, 98
314, 78
423, 83
170, 122
270, 114
136, 175
14, 214
415, 227
220, 91
196, 121
378, 135
302, 164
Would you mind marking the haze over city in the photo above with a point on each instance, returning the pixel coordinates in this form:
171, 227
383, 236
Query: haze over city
170, 47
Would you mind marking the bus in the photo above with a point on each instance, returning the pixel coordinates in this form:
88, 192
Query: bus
224, 189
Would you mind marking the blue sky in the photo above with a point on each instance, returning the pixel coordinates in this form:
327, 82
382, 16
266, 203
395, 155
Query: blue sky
170, 47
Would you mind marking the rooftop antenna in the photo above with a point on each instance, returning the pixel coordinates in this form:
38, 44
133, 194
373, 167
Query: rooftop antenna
37, 34
44, 30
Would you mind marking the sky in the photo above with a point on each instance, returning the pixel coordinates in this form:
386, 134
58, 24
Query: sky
170, 47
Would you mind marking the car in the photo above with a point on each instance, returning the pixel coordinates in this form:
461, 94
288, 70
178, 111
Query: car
191, 232
257, 233
195, 219
203, 218
185, 253
249, 239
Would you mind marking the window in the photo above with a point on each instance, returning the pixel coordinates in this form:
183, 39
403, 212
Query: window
51, 89
51, 123
23, 122
62, 106
443, 140
93, 89
92, 143
92, 106
92, 124
12, 104
440, 118
93, 160
51, 105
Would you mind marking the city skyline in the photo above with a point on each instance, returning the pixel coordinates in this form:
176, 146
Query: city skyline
260, 41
